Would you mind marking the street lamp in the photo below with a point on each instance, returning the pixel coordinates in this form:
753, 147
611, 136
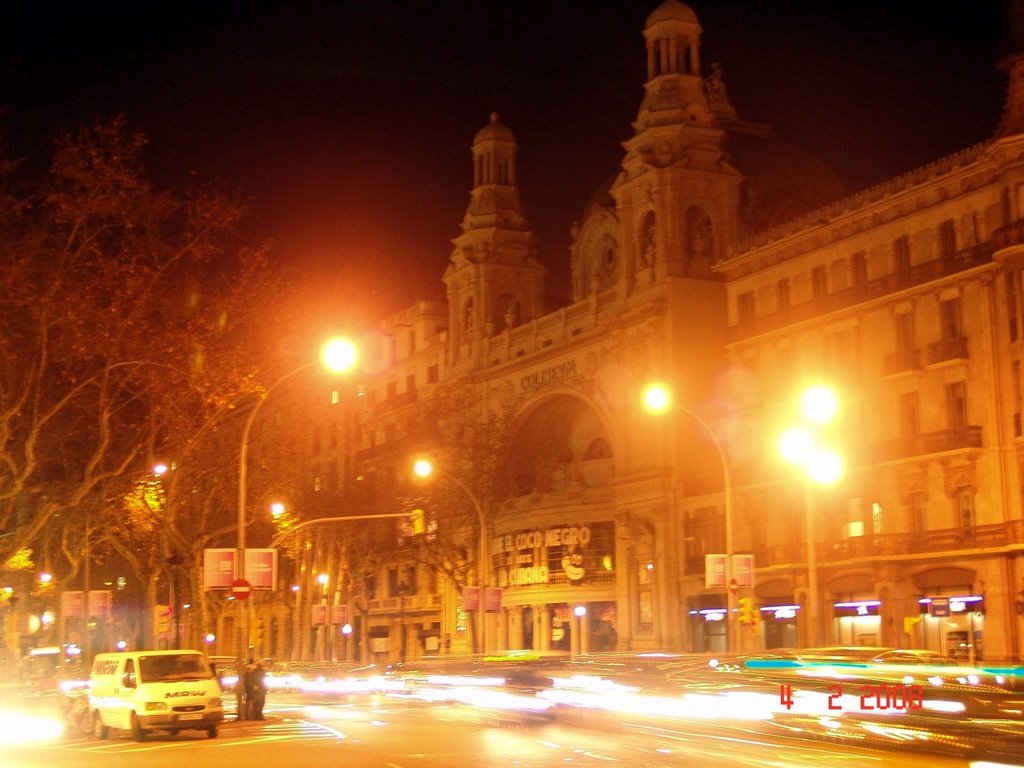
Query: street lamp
800, 445
337, 355
657, 399
423, 468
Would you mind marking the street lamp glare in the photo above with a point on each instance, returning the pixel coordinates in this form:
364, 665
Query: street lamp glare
657, 398
824, 466
795, 445
819, 404
422, 468
339, 355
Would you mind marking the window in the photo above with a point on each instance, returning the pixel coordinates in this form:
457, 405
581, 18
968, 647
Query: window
705, 529
859, 269
956, 404
918, 504
432, 374
335, 397
745, 306
1015, 382
783, 298
819, 282
841, 350
876, 518
965, 511
908, 415
901, 255
904, 322
949, 311
392, 390
1012, 302
645, 601
947, 239
412, 342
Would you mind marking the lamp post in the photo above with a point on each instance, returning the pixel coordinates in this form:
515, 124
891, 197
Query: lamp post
337, 355
424, 468
800, 445
657, 398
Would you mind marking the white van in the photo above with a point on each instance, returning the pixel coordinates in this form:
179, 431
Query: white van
143, 691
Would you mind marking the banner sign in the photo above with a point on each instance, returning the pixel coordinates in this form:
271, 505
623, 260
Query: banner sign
339, 614
471, 598
492, 599
742, 571
219, 568
318, 615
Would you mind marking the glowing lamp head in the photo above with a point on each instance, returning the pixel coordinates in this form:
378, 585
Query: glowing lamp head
819, 404
339, 355
824, 466
657, 398
422, 468
795, 445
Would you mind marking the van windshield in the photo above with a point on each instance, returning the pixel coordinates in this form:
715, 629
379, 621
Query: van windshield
184, 666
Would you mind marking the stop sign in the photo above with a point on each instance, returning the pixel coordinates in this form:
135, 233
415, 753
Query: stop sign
240, 589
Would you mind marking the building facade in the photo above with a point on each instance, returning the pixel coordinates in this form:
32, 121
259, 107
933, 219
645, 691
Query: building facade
736, 282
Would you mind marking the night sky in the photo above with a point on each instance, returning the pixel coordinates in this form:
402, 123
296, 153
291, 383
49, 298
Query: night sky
349, 124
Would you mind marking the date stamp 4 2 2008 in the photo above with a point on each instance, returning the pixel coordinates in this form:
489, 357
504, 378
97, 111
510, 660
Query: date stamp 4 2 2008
872, 697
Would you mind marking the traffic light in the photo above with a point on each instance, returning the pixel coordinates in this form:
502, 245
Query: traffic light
746, 606
417, 522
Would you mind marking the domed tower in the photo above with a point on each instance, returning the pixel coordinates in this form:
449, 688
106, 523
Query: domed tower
677, 197
494, 281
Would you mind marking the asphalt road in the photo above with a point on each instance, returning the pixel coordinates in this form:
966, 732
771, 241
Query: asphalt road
384, 732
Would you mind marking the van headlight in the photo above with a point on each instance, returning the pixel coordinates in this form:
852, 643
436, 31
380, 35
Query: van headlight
156, 706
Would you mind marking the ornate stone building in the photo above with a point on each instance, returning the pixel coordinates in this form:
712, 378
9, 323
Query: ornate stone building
730, 266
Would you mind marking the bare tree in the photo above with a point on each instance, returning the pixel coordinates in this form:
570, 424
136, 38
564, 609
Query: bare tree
128, 320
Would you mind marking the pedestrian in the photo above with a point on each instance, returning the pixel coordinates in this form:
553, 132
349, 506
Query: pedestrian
256, 687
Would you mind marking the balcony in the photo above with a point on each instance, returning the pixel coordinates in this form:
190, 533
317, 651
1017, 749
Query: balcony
1011, 234
890, 545
901, 361
953, 439
947, 349
412, 603
917, 275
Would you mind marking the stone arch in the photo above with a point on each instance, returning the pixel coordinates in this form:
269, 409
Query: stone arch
559, 441
646, 238
699, 241
507, 312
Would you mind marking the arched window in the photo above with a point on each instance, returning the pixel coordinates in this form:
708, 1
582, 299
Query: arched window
700, 245
646, 256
